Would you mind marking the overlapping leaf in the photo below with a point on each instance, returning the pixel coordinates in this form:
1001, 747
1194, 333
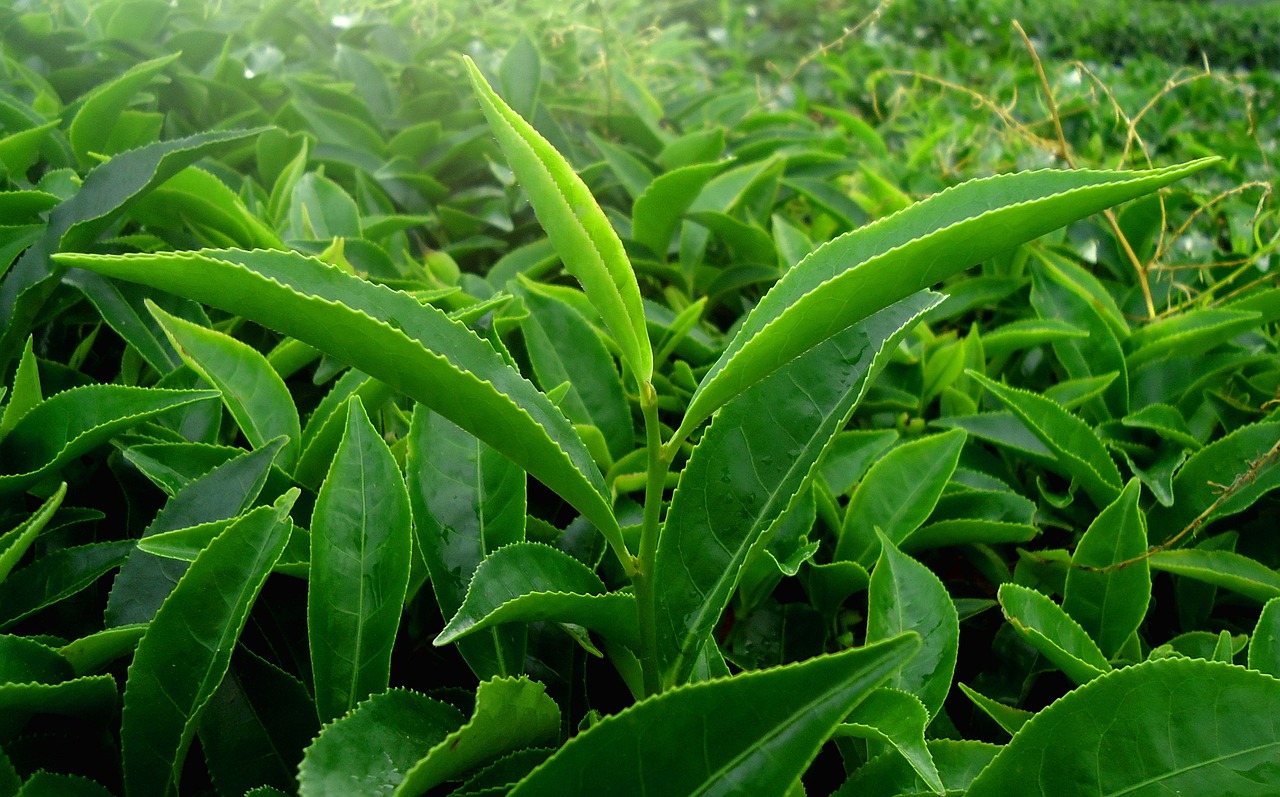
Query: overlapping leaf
412, 347
361, 543
187, 647
746, 471
1225, 739
756, 732
855, 275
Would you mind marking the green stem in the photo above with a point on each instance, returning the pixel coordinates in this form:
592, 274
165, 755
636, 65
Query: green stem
655, 480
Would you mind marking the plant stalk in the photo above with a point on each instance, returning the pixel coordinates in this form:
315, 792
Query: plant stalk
655, 480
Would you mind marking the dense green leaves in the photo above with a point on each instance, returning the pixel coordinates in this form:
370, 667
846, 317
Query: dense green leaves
377, 286
905, 596
1109, 583
756, 456
187, 647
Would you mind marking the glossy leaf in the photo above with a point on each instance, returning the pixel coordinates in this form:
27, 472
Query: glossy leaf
890, 775
187, 648
1264, 645
1226, 569
15, 542
750, 464
361, 543
656, 214
221, 494
897, 494
57, 575
1110, 604
251, 390
563, 348
863, 271
1079, 451
371, 749
121, 306
106, 193
255, 726
1051, 631
1007, 717
94, 122
54, 784
468, 501
74, 422
898, 718
412, 347
530, 581
904, 595
588, 246
510, 713
755, 733
1060, 291
89, 653
1225, 739
1225, 461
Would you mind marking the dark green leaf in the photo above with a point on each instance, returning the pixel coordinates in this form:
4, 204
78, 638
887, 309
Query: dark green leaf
360, 548
750, 464
755, 733
187, 648
1128, 713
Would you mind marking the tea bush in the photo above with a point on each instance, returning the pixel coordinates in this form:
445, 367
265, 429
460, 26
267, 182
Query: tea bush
900, 419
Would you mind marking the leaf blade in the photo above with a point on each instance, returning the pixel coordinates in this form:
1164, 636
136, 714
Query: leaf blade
862, 271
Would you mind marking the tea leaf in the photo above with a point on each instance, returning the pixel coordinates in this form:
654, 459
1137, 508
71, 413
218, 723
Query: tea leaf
57, 575
252, 391
904, 595
221, 494
76, 223
1110, 603
860, 272
588, 246
390, 336
1227, 569
1129, 710
1051, 631
468, 501
656, 214
746, 471
15, 542
899, 719
1224, 463
1264, 645
529, 581
74, 422
897, 494
958, 763
1006, 716
563, 348
1078, 449
360, 548
757, 731
187, 648
510, 713
99, 112
372, 748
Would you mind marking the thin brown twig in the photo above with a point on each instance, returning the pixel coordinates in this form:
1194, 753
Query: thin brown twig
823, 49
1064, 151
1242, 480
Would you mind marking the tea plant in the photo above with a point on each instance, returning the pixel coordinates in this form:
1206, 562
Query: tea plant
776, 482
